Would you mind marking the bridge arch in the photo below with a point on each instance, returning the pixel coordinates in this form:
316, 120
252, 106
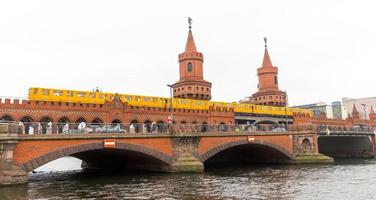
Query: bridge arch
7, 118
80, 119
78, 150
278, 153
97, 121
266, 121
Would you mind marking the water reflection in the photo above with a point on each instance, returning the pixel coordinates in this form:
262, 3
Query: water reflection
346, 179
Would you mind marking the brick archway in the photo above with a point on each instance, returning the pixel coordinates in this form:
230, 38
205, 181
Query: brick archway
211, 152
68, 151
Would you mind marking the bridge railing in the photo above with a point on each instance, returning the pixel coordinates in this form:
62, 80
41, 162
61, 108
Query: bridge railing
345, 130
139, 128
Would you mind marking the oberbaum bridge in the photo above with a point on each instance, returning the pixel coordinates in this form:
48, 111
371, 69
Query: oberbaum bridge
183, 133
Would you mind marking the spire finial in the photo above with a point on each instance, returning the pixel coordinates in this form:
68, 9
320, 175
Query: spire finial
266, 41
190, 23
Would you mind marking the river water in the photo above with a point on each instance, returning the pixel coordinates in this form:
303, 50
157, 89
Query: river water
346, 179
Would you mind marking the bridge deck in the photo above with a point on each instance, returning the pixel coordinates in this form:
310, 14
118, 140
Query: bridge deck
140, 135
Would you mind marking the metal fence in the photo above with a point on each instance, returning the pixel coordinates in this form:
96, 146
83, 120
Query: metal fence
138, 128
345, 130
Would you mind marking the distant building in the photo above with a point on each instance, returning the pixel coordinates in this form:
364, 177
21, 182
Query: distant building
319, 109
363, 105
339, 111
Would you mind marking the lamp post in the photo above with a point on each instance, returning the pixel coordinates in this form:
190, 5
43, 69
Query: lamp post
365, 113
286, 100
170, 121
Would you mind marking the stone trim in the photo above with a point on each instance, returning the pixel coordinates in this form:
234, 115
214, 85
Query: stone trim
208, 154
41, 160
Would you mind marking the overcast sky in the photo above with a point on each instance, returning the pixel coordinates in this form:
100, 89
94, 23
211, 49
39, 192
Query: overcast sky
325, 50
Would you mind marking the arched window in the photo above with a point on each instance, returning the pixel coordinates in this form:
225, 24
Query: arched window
189, 67
276, 80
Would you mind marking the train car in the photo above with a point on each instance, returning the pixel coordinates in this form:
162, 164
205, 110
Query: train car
96, 97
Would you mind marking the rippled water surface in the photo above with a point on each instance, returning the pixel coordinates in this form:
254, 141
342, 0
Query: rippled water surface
346, 179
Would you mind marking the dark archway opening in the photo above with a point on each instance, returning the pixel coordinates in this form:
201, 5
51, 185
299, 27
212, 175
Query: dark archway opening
46, 124
120, 159
204, 127
160, 127
136, 126
146, 126
81, 119
61, 123
116, 121
97, 121
338, 146
222, 127
247, 154
6, 118
27, 122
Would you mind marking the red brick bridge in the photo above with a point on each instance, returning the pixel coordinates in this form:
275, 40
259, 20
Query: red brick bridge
180, 152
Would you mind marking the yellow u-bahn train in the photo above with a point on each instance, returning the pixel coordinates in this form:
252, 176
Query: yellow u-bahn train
96, 97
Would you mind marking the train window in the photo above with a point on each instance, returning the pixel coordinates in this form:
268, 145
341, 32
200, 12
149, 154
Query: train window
198, 103
128, 98
45, 92
184, 101
69, 93
138, 99
155, 100
58, 93
92, 95
35, 91
81, 94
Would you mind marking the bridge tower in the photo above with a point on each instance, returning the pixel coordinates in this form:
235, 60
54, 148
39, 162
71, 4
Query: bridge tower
191, 84
268, 92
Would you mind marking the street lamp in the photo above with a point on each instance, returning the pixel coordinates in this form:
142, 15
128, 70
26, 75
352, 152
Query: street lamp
365, 113
286, 100
170, 118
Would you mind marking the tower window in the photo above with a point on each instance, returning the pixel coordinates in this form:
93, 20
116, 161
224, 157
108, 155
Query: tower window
189, 67
276, 80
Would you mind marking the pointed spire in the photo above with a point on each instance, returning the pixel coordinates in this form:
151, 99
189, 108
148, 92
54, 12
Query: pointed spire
355, 113
190, 46
266, 62
371, 111
354, 109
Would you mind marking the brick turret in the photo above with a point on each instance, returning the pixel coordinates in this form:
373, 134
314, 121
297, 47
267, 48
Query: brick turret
268, 93
191, 84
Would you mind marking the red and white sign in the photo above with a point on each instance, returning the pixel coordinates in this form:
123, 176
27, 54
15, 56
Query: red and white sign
251, 139
169, 119
109, 143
